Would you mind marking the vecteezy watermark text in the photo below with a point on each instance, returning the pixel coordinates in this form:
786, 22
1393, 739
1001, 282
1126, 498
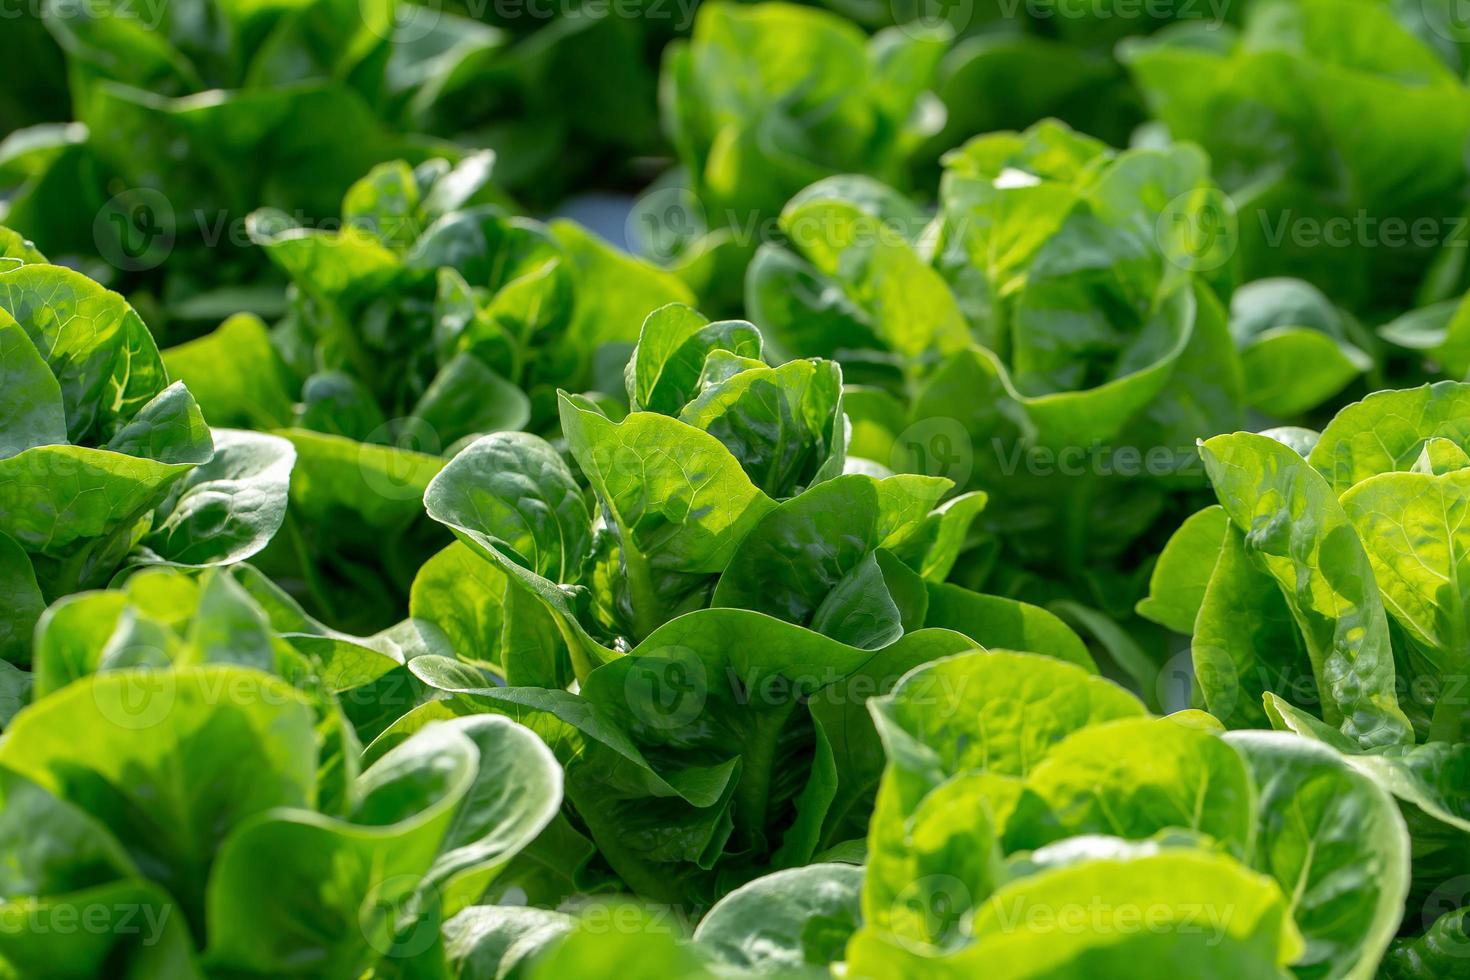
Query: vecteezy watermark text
1361, 230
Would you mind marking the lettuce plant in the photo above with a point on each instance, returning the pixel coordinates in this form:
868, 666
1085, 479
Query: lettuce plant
199, 112
723, 464
725, 597
105, 463
1050, 312
253, 877
1014, 780
429, 317
1285, 107
189, 115
167, 615
764, 99
145, 693
1322, 598
1057, 333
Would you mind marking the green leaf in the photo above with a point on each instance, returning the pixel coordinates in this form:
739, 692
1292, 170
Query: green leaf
229, 627
874, 604
52, 497
1133, 778
230, 507
75, 635
23, 602
1336, 842
524, 500
930, 861
489, 618
379, 485
513, 501
336, 403
681, 504
645, 822
728, 685
934, 549
16, 687
848, 754
497, 941
235, 374
467, 398
101, 354
169, 429
89, 855
1005, 624
1290, 370
1353, 68
905, 301
783, 424
1412, 526
875, 419
1179, 582
334, 266
1258, 940
517, 791
31, 412
131, 748
996, 711
348, 885
1385, 432
663, 374
138, 933
686, 508
616, 292
1295, 345
795, 922
1246, 641
642, 948
798, 310
1430, 776
798, 557
15, 247
1440, 456
385, 203
1437, 953
1297, 532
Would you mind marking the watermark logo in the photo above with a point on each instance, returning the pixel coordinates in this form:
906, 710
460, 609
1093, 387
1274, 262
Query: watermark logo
1197, 230
929, 912
135, 230
665, 223
1448, 898
401, 23
398, 920
668, 689
134, 700
1449, 19
937, 446
395, 475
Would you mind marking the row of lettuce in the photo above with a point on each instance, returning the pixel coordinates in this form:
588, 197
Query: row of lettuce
394, 626
688, 635
1338, 127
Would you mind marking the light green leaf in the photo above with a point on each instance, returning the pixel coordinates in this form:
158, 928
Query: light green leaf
1296, 530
